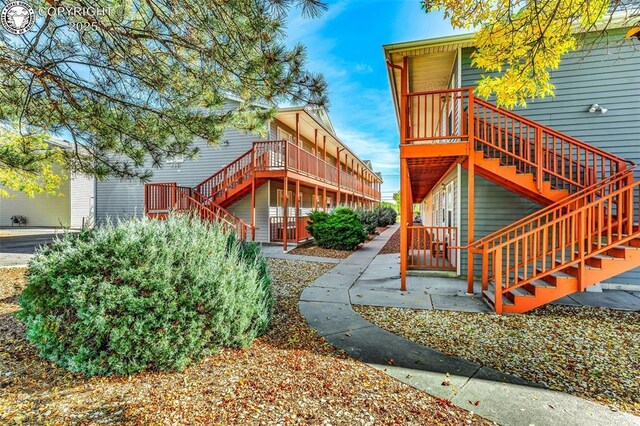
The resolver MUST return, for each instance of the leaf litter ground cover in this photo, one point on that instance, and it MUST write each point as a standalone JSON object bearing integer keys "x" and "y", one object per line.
{"x": 290, "y": 375}
{"x": 589, "y": 352}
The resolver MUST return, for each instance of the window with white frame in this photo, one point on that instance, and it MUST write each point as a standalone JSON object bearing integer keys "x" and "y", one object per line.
{"x": 282, "y": 134}
{"x": 174, "y": 159}
{"x": 452, "y": 201}
{"x": 280, "y": 202}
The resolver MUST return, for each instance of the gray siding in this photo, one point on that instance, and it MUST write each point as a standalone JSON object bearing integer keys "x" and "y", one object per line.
{"x": 495, "y": 208}
{"x": 82, "y": 196}
{"x": 608, "y": 76}
{"x": 242, "y": 210}
{"x": 125, "y": 198}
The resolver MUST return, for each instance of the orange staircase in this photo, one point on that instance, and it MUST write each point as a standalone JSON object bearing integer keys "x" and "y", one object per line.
{"x": 207, "y": 199}
{"x": 586, "y": 233}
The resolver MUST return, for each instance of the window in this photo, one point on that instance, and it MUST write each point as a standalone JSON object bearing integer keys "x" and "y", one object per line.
{"x": 280, "y": 202}
{"x": 452, "y": 201}
{"x": 175, "y": 159}
{"x": 282, "y": 134}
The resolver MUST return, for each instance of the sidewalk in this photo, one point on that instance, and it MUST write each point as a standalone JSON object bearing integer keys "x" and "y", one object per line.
{"x": 505, "y": 399}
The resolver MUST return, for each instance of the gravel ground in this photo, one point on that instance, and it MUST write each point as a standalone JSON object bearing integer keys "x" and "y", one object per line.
{"x": 288, "y": 376}
{"x": 314, "y": 250}
{"x": 589, "y": 352}
{"x": 393, "y": 245}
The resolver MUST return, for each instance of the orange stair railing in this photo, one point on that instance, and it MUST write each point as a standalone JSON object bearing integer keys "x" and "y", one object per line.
{"x": 561, "y": 237}
{"x": 598, "y": 214}
{"x": 163, "y": 198}
{"x": 217, "y": 186}
{"x": 207, "y": 197}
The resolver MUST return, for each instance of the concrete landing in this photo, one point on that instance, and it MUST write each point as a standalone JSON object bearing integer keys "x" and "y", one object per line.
{"x": 379, "y": 285}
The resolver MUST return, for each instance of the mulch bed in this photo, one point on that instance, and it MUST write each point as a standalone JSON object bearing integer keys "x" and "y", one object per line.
{"x": 288, "y": 376}
{"x": 311, "y": 249}
{"x": 314, "y": 250}
{"x": 393, "y": 245}
{"x": 589, "y": 352}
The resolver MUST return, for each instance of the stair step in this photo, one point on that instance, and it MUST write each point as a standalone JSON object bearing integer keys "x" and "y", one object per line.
{"x": 491, "y": 296}
{"x": 571, "y": 266}
{"x": 521, "y": 291}
{"x": 540, "y": 283}
{"x": 558, "y": 274}
{"x": 622, "y": 247}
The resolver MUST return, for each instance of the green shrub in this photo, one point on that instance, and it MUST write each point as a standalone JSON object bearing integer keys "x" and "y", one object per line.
{"x": 144, "y": 295}
{"x": 386, "y": 215}
{"x": 369, "y": 220}
{"x": 380, "y": 216}
{"x": 341, "y": 229}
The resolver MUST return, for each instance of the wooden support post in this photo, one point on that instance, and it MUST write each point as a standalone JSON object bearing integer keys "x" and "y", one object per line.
{"x": 338, "y": 165}
{"x": 470, "y": 213}
{"x": 285, "y": 218}
{"x": 253, "y": 194}
{"x": 324, "y": 200}
{"x": 297, "y": 211}
{"x": 315, "y": 143}
{"x": 253, "y": 209}
{"x": 298, "y": 141}
{"x": 315, "y": 198}
{"x": 324, "y": 147}
{"x": 404, "y": 174}
{"x": 470, "y": 191}
{"x": 539, "y": 162}
{"x": 404, "y": 222}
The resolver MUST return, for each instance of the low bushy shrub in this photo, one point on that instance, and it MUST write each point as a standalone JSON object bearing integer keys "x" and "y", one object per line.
{"x": 340, "y": 229}
{"x": 369, "y": 220}
{"x": 386, "y": 215}
{"x": 381, "y": 216}
{"x": 144, "y": 295}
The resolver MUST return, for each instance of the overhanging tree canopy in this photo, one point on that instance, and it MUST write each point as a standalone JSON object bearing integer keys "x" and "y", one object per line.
{"x": 523, "y": 40}
{"x": 145, "y": 80}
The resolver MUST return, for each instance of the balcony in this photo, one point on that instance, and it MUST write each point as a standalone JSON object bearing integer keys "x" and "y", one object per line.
{"x": 281, "y": 156}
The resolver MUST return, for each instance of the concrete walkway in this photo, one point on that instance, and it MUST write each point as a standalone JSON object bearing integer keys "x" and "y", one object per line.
{"x": 505, "y": 399}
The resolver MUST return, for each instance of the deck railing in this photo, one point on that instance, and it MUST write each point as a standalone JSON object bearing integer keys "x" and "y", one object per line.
{"x": 436, "y": 117}
{"x": 433, "y": 247}
{"x": 278, "y": 155}
{"x": 164, "y": 198}
{"x": 296, "y": 228}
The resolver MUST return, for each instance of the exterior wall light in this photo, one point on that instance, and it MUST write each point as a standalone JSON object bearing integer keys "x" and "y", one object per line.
{"x": 596, "y": 107}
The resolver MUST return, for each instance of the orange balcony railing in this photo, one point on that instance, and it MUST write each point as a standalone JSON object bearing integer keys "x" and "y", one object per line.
{"x": 281, "y": 155}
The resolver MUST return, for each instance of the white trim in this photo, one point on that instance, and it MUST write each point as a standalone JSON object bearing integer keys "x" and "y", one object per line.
{"x": 269, "y": 210}
{"x": 460, "y": 68}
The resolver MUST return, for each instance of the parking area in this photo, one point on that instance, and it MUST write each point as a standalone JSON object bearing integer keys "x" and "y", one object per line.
{"x": 17, "y": 245}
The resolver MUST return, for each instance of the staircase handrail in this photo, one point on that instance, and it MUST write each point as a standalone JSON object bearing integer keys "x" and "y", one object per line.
{"x": 580, "y": 257}
{"x": 222, "y": 171}
{"x": 476, "y": 245}
{"x": 551, "y": 131}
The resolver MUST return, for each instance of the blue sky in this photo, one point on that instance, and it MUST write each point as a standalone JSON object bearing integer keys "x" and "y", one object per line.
{"x": 345, "y": 44}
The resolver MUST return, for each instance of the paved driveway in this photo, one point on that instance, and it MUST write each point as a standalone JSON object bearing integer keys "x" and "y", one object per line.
{"x": 18, "y": 246}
